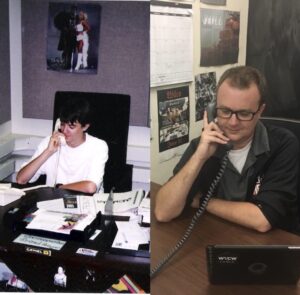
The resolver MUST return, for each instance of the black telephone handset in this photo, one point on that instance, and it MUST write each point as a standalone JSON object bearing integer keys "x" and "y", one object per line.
{"x": 211, "y": 115}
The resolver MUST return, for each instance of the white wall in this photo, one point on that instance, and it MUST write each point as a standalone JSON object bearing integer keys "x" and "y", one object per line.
{"x": 162, "y": 165}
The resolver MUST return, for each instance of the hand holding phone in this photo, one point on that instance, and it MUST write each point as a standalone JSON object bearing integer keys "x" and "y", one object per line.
{"x": 62, "y": 140}
{"x": 211, "y": 115}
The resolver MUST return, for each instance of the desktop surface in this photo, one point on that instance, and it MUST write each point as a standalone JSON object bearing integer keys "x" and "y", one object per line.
{"x": 187, "y": 273}
{"x": 85, "y": 273}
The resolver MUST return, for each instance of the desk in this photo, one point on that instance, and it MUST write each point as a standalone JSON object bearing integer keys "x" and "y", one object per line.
{"x": 38, "y": 270}
{"x": 186, "y": 273}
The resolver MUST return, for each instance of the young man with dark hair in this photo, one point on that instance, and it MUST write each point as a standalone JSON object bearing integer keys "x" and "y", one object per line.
{"x": 70, "y": 157}
{"x": 259, "y": 187}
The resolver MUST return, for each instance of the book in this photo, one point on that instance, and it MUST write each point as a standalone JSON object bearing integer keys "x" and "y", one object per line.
{"x": 125, "y": 285}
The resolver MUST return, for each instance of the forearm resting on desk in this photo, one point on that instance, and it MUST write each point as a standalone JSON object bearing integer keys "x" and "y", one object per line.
{"x": 243, "y": 213}
{"x": 82, "y": 186}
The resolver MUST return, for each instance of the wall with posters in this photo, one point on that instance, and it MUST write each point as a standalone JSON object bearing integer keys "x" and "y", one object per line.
{"x": 162, "y": 160}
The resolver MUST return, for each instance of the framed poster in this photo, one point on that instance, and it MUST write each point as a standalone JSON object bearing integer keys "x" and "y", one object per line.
{"x": 73, "y": 37}
{"x": 220, "y": 30}
{"x": 173, "y": 112}
{"x": 205, "y": 92}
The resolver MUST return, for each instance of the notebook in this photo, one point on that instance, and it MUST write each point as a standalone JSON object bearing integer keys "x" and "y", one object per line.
{"x": 253, "y": 264}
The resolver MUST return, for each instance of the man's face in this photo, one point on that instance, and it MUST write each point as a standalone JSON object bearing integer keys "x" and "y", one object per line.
{"x": 234, "y": 99}
{"x": 74, "y": 133}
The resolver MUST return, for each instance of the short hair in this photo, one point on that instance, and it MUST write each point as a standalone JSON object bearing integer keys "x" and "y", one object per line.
{"x": 76, "y": 109}
{"x": 242, "y": 77}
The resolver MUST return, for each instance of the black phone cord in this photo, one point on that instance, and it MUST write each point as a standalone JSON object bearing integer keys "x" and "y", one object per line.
{"x": 203, "y": 203}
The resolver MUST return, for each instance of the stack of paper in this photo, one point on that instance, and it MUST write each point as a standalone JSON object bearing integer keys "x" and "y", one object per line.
{"x": 57, "y": 221}
{"x": 124, "y": 204}
{"x": 130, "y": 235}
{"x": 8, "y": 194}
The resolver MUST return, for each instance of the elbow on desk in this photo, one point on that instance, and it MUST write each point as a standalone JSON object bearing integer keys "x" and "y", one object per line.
{"x": 20, "y": 180}
{"x": 263, "y": 227}
{"x": 161, "y": 216}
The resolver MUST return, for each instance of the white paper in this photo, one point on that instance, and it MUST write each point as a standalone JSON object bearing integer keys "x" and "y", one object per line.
{"x": 171, "y": 45}
{"x": 9, "y": 195}
{"x": 59, "y": 222}
{"x": 130, "y": 235}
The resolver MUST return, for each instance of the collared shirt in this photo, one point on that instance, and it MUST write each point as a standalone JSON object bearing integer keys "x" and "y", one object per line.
{"x": 270, "y": 175}
{"x": 233, "y": 185}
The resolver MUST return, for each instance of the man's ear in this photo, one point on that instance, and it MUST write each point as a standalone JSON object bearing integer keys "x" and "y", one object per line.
{"x": 261, "y": 109}
{"x": 85, "y": 127}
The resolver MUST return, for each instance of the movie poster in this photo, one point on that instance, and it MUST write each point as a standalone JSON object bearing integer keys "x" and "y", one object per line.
{"x": 73, "y": 37}
{"x": 205, "y": 92}
{"x": 220, "y": 32}
{"x": 173, "y": 112}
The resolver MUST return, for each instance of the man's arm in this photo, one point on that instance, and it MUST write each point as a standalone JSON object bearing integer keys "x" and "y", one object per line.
{"x": 85, "y": 186}
{"x": 28, "y": 171}
{"x": 171, "y": 198}
{"x": 243, "y": 213}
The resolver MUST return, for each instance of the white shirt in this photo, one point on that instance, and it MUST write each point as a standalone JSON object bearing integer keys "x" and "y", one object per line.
{"x": 238, "y": 157}
{"x": 85, "y": 162}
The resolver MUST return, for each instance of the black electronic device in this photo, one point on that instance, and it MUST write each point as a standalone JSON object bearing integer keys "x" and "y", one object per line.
{"x": 253, "y": 264}
{"x": 211, "y": 111}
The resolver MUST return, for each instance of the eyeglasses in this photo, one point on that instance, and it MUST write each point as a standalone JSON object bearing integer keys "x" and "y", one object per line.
{"x": 241, "y": 115}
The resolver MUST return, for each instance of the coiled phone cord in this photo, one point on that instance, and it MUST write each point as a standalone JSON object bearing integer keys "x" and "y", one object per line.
{"x": 199, "y": 212}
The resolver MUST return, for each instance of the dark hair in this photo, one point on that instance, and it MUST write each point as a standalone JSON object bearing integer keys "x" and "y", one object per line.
{"x": 76, "y": 109}
{"x": 242, "y": 77}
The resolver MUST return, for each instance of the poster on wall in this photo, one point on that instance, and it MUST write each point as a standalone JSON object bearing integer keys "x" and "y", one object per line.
{"x": 173, "y": 117}
{"x": 205, "y": 92}
{"x": 73, "y": 37}
{"x": 220, "y": 30}
{"x": 214, "y": 2}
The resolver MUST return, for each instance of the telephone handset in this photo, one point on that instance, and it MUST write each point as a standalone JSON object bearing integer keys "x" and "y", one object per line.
{"x": 62, "y": 139}
{"x": 211, "y": 115}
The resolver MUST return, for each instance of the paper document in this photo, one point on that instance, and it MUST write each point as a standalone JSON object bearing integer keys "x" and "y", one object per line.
{"x": 130, "y": 235}
{"x": 123, "y": 204}
{"x": 9, "y": 195}
{"x": 57, "y": 221}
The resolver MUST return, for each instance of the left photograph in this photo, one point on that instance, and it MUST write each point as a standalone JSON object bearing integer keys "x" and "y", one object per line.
{"x": 75, "y": 146}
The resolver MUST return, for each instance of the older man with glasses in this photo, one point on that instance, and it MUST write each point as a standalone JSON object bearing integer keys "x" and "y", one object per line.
{"x": 259, "y": 186}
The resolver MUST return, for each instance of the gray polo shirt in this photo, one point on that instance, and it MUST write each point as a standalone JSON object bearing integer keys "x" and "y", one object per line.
{"x": 233, "y": 185}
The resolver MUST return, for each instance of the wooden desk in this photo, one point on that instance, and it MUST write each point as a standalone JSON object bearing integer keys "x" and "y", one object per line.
{"x": 186, "y": 273}
{"x": 38, "y": 270}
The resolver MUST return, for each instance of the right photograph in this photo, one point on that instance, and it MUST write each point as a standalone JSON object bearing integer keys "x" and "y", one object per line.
{"x": 225, "y": 132}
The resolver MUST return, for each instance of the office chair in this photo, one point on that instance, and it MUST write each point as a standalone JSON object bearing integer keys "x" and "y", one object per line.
{"x": 294, "y": 127}
{"x": 110, "y": 122}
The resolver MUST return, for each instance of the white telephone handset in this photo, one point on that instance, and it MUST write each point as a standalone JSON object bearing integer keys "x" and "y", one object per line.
{"x": 62, "y": 139}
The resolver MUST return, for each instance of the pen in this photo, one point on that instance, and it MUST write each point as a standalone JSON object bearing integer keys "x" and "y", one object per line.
{"x": 125, "y": 239}
{"x": 135, "y": 197}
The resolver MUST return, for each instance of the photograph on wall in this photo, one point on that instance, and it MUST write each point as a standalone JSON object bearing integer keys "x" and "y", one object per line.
{"x": 173, "y": 112}
{"x": 220, "y": 30}
{"x": 73, "y": 37}
{"x": 205, "y": 92}
{"x": 214, "y": 2}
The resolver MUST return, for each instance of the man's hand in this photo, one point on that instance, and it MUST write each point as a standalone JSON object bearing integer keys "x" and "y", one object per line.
{"x": 54, "y": 142}
{"x": 211, "y": 136}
